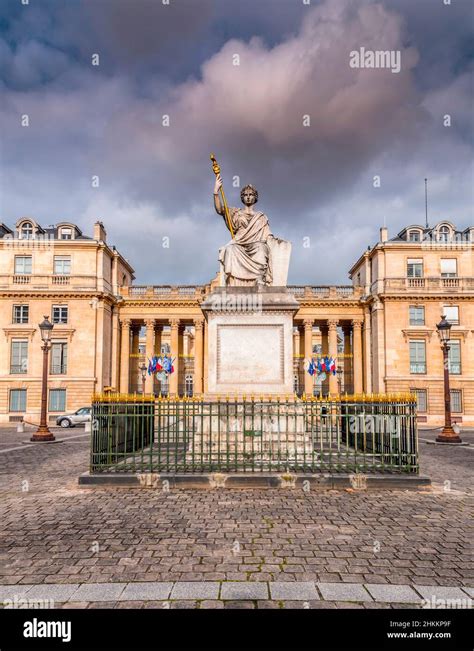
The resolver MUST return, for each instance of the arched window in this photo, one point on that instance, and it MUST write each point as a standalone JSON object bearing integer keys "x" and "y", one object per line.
{"x": 26, "y": 231}
{"x": 444, "y": 233}
{"x": 189, "y": 385}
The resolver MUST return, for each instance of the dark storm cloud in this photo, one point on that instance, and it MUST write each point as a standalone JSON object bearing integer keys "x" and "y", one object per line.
{"x": 156, "y": 181}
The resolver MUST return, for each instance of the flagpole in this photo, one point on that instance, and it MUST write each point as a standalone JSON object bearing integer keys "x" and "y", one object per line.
{"x": 217, "y": 170}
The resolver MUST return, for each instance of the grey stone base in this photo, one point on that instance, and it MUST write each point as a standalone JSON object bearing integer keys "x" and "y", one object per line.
{"x": 443, "y": 443}
{"x": 257, "y": 480}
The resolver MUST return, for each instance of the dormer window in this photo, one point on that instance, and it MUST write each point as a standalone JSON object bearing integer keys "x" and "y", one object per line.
{"x": 65, "y": 233}
{"x": 26, "y": 231}
{"x": 444, "y": 234}
{"x": 414, "y": 236}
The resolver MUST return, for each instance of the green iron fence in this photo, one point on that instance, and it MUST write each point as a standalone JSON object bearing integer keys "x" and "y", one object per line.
{"x": 367, "y": 434}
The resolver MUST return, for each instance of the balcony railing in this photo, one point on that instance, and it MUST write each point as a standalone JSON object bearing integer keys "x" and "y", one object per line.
{"x": 16, "y": 369}
{"x": 418, "y": 368}
{"x": 58, "y": 369}
{"x": 61, "y": 280}
{"x": 39, "y": 281}
{"x": 429, "y": 284}
{"x": 325, "y": 291}
{"x": 165, "y": 291}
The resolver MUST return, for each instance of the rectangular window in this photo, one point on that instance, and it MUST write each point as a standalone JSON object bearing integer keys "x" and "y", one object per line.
{"x": 62, "y": 265}
{"x": 66, "y": 234}
{"x": 449, "y": 268}
{"x": 417, "y": 315}
{"x": 415, "y": 268}
{"x": 19, "y": 356}
{"x": 451, "y": 312}
{"x": 60, "y": 313}
{"x": 58, "y": 358}
{"x": 454, "y": 357}
{"x": 17, "y": 400}
{"x": 421, "y": 399}
{"x": 23, "y": 264}
{"x": 414, "y": 236}
{"x": 456, "y": 401}
{"x": 20, "y": 313}
{"x": 57, "y": 400}
{"x": 417, "y": 357}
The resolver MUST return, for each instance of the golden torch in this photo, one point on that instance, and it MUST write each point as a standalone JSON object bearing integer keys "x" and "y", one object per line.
{"x": 217, "y": 170}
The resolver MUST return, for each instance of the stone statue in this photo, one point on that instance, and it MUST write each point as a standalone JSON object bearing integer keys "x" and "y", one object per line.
{"x": 247, "y": 259}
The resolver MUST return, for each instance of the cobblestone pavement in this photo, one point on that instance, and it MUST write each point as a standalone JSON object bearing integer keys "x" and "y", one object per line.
{"x": 54, "y": 532}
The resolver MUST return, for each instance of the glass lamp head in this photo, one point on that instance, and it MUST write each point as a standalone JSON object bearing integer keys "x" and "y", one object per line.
{"x": 46, "y": 328}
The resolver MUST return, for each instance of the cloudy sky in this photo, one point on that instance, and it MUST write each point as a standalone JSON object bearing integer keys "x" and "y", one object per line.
{"x": 179, "y": 59}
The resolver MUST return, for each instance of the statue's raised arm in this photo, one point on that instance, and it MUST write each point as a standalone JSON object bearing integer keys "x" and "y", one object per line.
{"x": 247, "y": 259}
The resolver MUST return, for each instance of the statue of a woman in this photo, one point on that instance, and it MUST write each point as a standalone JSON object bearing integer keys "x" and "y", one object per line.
{"x": 246, "y": 259}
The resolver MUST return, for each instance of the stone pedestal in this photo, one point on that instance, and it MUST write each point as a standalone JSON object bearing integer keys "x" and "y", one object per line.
{"x": 250, "y": 344}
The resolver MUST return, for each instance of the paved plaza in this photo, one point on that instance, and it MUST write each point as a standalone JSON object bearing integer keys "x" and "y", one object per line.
{"x": 224, "y": 548}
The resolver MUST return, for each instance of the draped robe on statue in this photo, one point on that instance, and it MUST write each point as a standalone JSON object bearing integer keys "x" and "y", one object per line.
{"x": 246, "y": 259}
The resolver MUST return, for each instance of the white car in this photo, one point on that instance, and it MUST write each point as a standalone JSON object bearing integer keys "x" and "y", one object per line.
{"x": 80, "y": 416}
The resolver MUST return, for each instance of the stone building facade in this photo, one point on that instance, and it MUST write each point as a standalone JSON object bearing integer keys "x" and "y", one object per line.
{"x": 381, "y": 329}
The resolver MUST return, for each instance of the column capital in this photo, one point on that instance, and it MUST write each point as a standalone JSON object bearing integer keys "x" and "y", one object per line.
{"x": 332, "y": 324}
{"x": 125, "y": 323}
{"x": 150, "y": 323}
{"x": 308, "y": 324}
{"x": 174, "y": 323}
{"x": 199, "y": 323}
{"x": 357, "y": 324}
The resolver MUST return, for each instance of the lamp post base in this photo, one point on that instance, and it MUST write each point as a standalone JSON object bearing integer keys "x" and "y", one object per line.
{"x": 42, "y": 435}
{"x": 448, "y": 435}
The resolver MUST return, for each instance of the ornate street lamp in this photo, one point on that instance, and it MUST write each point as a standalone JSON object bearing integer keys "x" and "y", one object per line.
{"x": 43, "y": 434}
{"x": 448, "y": 435}
{"x": 143, "y": 372}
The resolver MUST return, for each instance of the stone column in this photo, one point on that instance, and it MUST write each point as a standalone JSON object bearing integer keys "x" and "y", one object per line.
{"x": 357, "y": 354}
{"x": 115, "y": 349}
{"x": 206, "y": 351}
{"x": 158, "y": 331}
{"x": 198, "y": 354}
{"x": 174, "y": 345}
{"x": 346, "y": 385}
{"x": 381, "y": 355}
{"x": 125, "y": 356}
{"x": 332, "y": 344}
{"x": 149, "y": 352}
{"x": 308, "y": 353}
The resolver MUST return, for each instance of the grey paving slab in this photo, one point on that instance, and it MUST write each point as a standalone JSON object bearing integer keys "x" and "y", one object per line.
{"x": 57, "y": 592}
{"x": 344, "y": 592}
{"x": 12, "y": 591}
{"x": 469, "y": 591}
{"x": 98, "y": 592}
{"x": 244, "y": 590}
{"x": 401, "y": 594}
{"x": 146, "y": 591}
{"x": 294, "y": 590}
{"x": 430, "y": 592}
{"x": 195, "y": 590}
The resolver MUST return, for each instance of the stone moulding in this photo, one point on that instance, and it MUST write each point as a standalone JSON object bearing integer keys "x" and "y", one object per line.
{"x": 286, "y": 481}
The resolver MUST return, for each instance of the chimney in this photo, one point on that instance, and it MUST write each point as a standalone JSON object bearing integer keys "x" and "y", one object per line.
{"x": 100, "y": 232}
{"x": 383, "y": 234}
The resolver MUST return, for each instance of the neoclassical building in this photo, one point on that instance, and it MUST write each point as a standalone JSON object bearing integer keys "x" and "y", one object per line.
{"x": 381, "y": 328}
